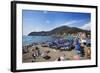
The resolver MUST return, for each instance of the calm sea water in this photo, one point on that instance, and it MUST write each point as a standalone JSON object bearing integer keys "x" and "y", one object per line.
{"x": 30, "y": 39}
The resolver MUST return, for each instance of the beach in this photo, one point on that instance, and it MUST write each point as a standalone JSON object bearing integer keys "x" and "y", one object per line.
{"x": 53, "y": 36}
{"x": 72, "y": 47}
{"x": 53, "y": 53}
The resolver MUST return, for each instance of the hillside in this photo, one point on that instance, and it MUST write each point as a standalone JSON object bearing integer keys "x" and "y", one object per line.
{"x": 59, "y": 31}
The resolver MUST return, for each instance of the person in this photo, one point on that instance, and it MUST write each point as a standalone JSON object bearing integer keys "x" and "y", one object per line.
{"x": 83, "y": 41}
{"x": 62, "y": 58}
{"x": 76, "y": 57}
{"x": 88, "y": 42}
{"x": 33, "y": 60}
{"x": 82, "y": 51}
{"x": 37, "y": 51}
{"x": 78, "y": 48}
{"x": 59, "y": 59}
{"x": 89, "y": 53}
{"x": 33, "y": 54}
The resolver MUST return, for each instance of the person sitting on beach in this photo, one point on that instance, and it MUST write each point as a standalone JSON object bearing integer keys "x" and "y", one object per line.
{"x": 45, "y": 55}
{"x": 76, "y": 57}
{"x": 61, "y": 58}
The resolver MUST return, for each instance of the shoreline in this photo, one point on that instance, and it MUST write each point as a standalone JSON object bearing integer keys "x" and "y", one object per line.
{"x": 63, "y": 49}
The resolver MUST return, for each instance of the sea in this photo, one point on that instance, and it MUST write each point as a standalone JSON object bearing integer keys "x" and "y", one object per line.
{"x": 26, "y": 40}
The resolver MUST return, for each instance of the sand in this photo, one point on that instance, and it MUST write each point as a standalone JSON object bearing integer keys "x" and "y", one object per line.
{"x": 54, "y": 54}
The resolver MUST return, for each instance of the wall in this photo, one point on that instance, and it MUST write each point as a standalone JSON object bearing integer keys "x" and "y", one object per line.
{"x": 5, "y": 36}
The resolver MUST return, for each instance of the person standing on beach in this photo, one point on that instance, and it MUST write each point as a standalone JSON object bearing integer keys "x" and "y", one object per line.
{"x": 38, "y": 53}
{"x": 33, "y": 54}
{"x": 88, "y": 53}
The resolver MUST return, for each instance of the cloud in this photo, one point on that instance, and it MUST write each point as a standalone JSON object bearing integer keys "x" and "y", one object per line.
{"x": 72, "y": 23}
{"x": 86, "y": 26}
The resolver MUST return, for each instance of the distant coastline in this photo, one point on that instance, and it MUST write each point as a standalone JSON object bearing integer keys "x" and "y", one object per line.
{"x": 59, "y": 31}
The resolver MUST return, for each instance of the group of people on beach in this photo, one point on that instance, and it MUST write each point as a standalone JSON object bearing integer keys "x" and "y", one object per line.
{"x": 35, "y": 52}
{"x": 77, "y": 44}
{"x": 26, "y": 47}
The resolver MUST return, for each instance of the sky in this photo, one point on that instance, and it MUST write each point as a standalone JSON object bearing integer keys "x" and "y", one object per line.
{"x": 35, "y": 21}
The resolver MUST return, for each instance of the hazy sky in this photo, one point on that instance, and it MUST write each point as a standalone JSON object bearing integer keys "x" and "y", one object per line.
{"x": 47, "y": 20}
